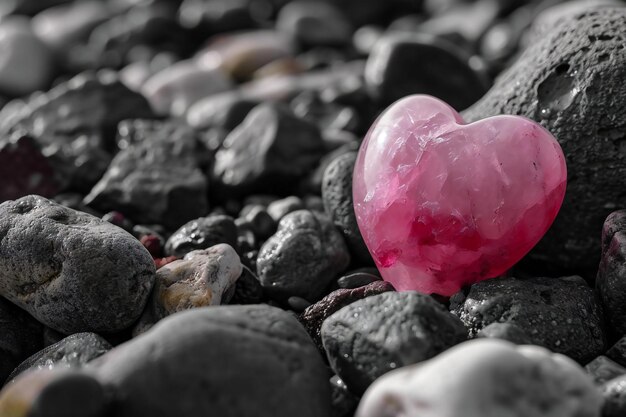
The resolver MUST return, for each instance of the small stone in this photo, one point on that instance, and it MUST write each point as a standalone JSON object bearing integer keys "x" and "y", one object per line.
{"x": 559, "y": 81}
{"x": 485, "y": 378}
{"x": 396, "y": 69}
{"x": 377, "y": 334}
{"x": 617, "y": 352}
{"x": 248, "y": 289}
{"x": 303, "y": 257}
{"x": 202, "y": 233}
{"x": 339, "y": 203}
{"x": 270, "y": 150}
{"x": 560, "y": 314}
{"x": 313, "y": 317}
{"x": 73, "y": 351}
{"x": 603, "y": 369}
{"x": 20, "y": 336}
{"x": 176, "y": 88}
{"x": 200, "y": 279}
{"x": 298, "y": 304}
{"x": 359, "y": 278}
{"x": 75, "y": 124}
{"x": 261, "y": 222}
{"x": 614, "y": 394}
{"x": 257, "y": 350}
{"x": 611, "y": 278}
{"x": 505, "y": 331}
{"x": 280, "y": 208}
{"x": 52, "y": 393}
{"x": 24, "y": 169}
{"x": 442, "y": 204}
{"x": 72, "y": 271}
{"x": 314, "y": 23}
{"x": 217, "y": 16}
{"x": 156, "y": 177}
{"x": 27, "y": 63}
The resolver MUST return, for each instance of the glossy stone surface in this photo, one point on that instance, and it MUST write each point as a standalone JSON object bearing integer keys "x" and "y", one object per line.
{"x": 442, "y": 204}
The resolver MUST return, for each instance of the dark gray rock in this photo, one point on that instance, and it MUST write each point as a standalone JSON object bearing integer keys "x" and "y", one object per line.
{"x": 617, "y": 352}
{"x": 375, "y": 335}
{"x": 603, "y": 369}
{"x": 72, "y": 351}
{"x": 270, "y": 151}
{"x": 505, "y": 331}
{"x": 560, "y": 314}
{"x": 313, "y": 317}
{"x": 572, "y": 82}
{"x": 261, "y": 223}
{"x": 20, "y": 336}
{"x": 614, "y": 394}
{"x": 74, "y": 124}
{"x": 403, "y": 64}
{"x": 339, "y": 204}
{"x": 226, "y": 112}
{"x": 202, "y": 233}
{"x": 359, "y": 278}
{"x": 187, "y": 366}
{"x": 156, "y": 177}
{"x": 303, "y": 257}
{"x": 314, "y": 23}
{"x": 611, "y": 278}
{"x": 343, "y": 401}
{"x": 72, "y": 271}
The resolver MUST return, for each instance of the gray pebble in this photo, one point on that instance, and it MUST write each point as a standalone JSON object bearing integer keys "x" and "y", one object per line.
{"x": 377, "y": 334}
{"x": 202, "y": 233}
{"x": 505, "y": 331}
{"x": 229, "y": 361}
{"x": 280, "y": 208}
{"x": 303, "y": 257}
{"x": 614, "y": 394}
{"x": 72, "y": 271}
{"x": 603, "y": 369}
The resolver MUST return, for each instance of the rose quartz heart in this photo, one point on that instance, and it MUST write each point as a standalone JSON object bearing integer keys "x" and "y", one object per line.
{"x": 442, "y": 204}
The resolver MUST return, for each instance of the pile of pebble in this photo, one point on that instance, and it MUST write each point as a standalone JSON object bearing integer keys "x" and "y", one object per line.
{"x": 177, "y": 234}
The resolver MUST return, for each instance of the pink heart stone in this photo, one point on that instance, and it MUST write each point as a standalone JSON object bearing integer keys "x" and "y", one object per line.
{"x": 442, "y": 204}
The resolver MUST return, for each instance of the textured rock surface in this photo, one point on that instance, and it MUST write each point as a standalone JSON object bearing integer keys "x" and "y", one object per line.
{"x": 611, "y": 278}
{"x": 572, "y": 82}
{"x": 20, "y": 336}
{"x": 302, "y": 257}
{"x": 270, "y": 150}
{"x": 156, "y": 178}
{"x": 617, "y": 352}
{"x": 187, "y": 366}
{"x": 373, "y": 336}
{"x": 70, "y": 270}
{"x": 202, "y": 233}
{"x": 560, "y": 314}
{"x": 614, "y": 394}
{"x": 314, "y": 315}
{"x": 200, "y": 279}
{"x": 72, "y": 351}
{"x": 485, "y": 378}
{"x": 77, "y": 139}
{"x": 339, "y": 204}
{"x": 505, "y": 331}
{"x": 24, "y": 169}
{"x": 395, "y": 69}
{"x": 441, "y": 204}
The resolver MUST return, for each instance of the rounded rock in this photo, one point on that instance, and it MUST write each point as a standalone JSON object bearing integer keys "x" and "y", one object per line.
{"x": 485, "y": 378}
{"x": 303, "y": 257}
{"x": 72, "y": 271}
{"x": 375, "y": 335}
{"x": 614, "y": 394}
{"x": 202, "y": 233}
{"x": 167, "y": 371}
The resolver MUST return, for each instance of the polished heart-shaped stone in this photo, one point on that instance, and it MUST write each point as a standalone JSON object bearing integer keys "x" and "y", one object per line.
{"x": 442, "y": 204}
